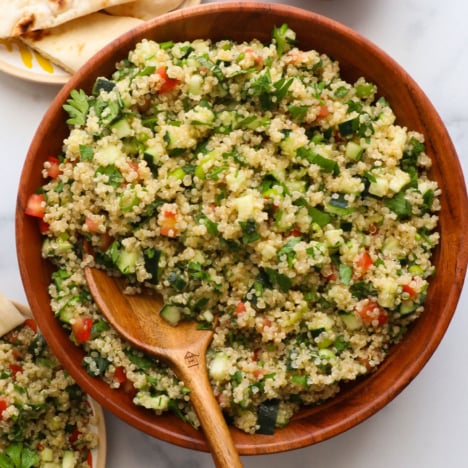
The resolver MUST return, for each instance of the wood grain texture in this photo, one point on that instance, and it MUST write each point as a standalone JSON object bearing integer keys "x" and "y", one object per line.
{"x": 357, "y": 56}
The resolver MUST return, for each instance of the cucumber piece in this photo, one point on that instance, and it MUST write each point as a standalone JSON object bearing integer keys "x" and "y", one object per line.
{"x": 69, "y": 459}
{"x": 219, "y": 367}
{"x": 351, "y": 321}
{"x": 172, "y": 314}
{"x": 407, "y": 307}
{"x": 127, "y": 260}
{"x": 122, "y": 128}
{"x": 267, "y": 416}
{"x": 103, "y": 84}
{"x": 353, "y": 151}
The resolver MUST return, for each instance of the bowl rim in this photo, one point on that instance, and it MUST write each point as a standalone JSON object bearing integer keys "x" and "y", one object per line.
{"x": 310, "y": 426}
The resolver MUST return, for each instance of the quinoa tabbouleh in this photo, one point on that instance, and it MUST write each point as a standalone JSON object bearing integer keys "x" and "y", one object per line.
{"x": 263, "y": 196}
{"x": 45, "y": 418}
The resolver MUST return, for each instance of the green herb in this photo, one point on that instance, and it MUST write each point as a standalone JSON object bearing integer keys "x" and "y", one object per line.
{"x": 114, "y": 176}
{"x": 327, "y": 165}
{"x": 288, "y": 250}
{"x": 17, "y": 455}
{"x": 399, "y": 205}
{"x": 345, "y": 272}
{"x": 77, "y": 107}
{"x": 283, "y": 38}
{"x": 279, "y": 280}
{"x": 249, "y": 231}
{"x": 86, "y": 153}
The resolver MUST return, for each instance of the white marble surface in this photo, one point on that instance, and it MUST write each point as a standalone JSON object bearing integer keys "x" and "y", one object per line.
{"x": 425, "y": 426}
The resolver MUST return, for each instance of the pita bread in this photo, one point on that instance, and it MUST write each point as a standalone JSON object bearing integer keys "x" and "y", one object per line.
{"x": 70, "y": 45}
{"x": 20, "y": 16}
{"x": 145, "y": 9}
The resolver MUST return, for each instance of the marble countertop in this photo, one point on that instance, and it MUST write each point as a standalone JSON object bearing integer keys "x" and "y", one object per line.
{"x": 427, "y": 424}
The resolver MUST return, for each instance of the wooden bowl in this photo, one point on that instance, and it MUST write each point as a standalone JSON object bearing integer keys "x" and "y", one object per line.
{"x": 357, "y": 56}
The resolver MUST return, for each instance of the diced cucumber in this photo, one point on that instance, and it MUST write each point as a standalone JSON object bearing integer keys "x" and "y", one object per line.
{"x": 102, "y": 84}
{"x": 267, "y": 416}
{"x": 351, "y": 321}
{"x": 177, "y": 174}
{"x": 195, "y": 85}
{"x": 107, "y": 155}
{"x": 353, "y": 151}
{"x": 47, "y": 454}
{"x": 172, "y": 314}
{"x": 407, "y": 307}
{"x": 379, "y": 187}
{"x": 219, "y": 367}
{"x": 122, "y": 128}
{"x": 158, "y": 402}
{"x": 69, "y": 459}
{"x": 398, "y": 180}
{"x": 127, "y": 260}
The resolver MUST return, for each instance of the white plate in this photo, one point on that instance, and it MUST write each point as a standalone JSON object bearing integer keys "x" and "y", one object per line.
{"x": 99, "y": 453}
{"x": 17, "y": 59}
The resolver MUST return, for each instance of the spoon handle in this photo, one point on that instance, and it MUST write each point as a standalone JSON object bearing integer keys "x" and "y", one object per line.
{"x": 191, "y": 368}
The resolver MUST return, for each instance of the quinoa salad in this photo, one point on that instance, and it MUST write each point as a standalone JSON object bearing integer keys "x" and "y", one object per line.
{"x": 45, "y": 418}
{"x": 264, "y": 197}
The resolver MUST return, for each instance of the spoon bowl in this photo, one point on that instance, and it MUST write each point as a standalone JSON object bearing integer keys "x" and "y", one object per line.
{"x": 182, "y": 347}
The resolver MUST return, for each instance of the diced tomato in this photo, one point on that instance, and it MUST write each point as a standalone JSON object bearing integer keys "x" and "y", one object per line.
{"x": 3, "y": 407}
{"x": 129, "y": 388}
{"x": 295, "y": 232}
{"x": 372, "y": 314}
{"x": 409, "y": 290}
{"x": 168, "y": 84}
{"x": 15, "y": 369}
{"x": 92, "y": 225}
{"x": 240, "y": 308}
{"x": 35, "y": 206}
{"x": 73, "y": 437}
{"x": 119, "y": 374}
{"x": 259, "y": 373}
{"x": 81, "y": 327}
{"x": 89, "y": 459}
{"x": 168, "y": 224}
{"x": 53, "y": 167}
{"x": 363, "y": 262}
{"x": 31, "y": 323}
{"x": 43, "y": 226}
{"x": 323, "y": 111}
{"x": 257, "y": 58}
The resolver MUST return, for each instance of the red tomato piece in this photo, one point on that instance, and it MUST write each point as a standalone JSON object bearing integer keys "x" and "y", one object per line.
{"x": 89, "y": 459}
{"x": 15, "y": 369}
{"x": 53, "y": 167}
{"x": 168, "y": 84}
{"x": 409, "y": 290}
{"x": 240, "y": 308}
{"x": 92, "y": 225}
{"x": 363, "y": 262}
{"x": 31, "y": 323}
{"x": 81, "y": 327}
{"x": 43, "y": 226}
{"x": 168, "y": 224}
{"x": 3, "y": 407}
{"x": 372, "y": 314}
{"x": 119, "y": 374}
{"x": 323, "y": 112}
{"x": 35, "y": 206}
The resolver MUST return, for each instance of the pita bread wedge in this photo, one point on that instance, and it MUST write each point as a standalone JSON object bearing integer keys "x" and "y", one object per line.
{"x": 70, "y": 45}
{"x": 145, "y": 9}
{"x": 20, "y": 16}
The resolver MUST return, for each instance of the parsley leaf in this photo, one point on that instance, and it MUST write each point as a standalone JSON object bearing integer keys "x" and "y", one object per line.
{"x": 77, "y": 107}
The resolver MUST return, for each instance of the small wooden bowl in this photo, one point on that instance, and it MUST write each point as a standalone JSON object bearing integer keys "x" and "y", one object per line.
{"x": 358, "y": 57}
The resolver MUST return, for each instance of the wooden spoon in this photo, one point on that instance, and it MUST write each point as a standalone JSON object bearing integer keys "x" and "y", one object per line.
{"x": 183, "y": 347}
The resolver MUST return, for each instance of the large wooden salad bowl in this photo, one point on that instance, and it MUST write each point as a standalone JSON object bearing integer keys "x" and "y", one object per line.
{"x": 358, "y": 57}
